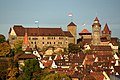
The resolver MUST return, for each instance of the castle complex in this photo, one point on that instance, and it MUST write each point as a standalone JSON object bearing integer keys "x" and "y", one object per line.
{"x": 99, "y": 55}
{"x": 42, "y": 37}
{"x": 98, "y": 37}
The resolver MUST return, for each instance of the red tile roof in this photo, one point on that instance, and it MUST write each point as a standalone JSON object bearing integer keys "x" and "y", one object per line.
{"x": 67, "y": 33}
{"x": 106, "y": 29}
{"x": 71, "y": 24}
{"x": 97, "y": 75}
{"x": 114, "y": 41}
{"x": 28, "y": 49}
{"x": 100, "y": 48}
{"x": 27, "y": 56}
{"x": 20, "y": 31}
{"x": 47, "y": 63}
{"x": 85, "y": 31}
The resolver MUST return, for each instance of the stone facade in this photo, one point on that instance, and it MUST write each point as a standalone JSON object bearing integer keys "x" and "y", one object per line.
{"x": 42, "y": 37}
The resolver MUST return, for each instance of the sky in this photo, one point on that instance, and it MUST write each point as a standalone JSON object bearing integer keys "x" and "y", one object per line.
{"x": 54, "y": 13}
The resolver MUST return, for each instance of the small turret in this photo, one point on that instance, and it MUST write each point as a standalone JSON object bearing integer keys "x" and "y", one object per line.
{"x": 25, "y": 42}
{"x": 106, "y": 32}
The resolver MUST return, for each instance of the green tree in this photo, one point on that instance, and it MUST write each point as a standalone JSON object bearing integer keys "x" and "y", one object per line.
{"x": 31, "y": 66}
{"x": 57, "y": 76}
{"x": 18, "y": 46}
{"x": 2, "y": 38}
{"x": 4, "y": 49}
{"x": 74, "y": 48}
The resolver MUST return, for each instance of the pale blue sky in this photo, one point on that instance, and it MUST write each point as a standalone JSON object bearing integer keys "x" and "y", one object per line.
{"x": 54, "y": 13}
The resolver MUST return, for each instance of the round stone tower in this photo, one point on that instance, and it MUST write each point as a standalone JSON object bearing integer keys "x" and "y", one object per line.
{"x": 96, "y": 32}
{"x": 72, "y": 29}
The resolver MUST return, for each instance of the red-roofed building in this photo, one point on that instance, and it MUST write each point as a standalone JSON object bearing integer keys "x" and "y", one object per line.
{"x": 85, "y": 34}
{"x": 43, "y": 36}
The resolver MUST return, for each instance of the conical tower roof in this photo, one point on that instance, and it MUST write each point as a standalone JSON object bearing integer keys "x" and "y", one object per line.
{"x": 106, "y": 29}
{"x": 26, "y": 42}
{"x": 96, "y": 22}
{"x": 71, "y": 24}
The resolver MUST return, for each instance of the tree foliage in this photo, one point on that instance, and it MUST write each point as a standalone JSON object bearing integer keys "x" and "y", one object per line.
{"x": 56, "y": 76}
{"x": 31, "y": 66}
{"x": 2, "y": 38}
{"x": 74, "y": 48}
{"x": 18, "y": 46}
{"x": 4, "y": 49}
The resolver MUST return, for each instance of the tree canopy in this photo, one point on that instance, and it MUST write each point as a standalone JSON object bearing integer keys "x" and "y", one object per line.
{"x": 2, "y": 38}
{"x": 56, "y": 76}
{"x": 4, "y": 49}
{"x": 74, "y": 48}
{"x": 31, "y": 66}
{"x": 18, "y": 46}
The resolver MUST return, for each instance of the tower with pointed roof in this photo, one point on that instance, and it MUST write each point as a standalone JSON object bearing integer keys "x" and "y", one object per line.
{"x": 96, "y": 29}
{"x": 72, "y": 29}
{"x": 25, "y": 42}
{"x": 106, "y": 32}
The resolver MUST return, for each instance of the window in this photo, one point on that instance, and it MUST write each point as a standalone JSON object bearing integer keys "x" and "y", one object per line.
{"x": 60, "y": 37}
{"x": 34, "y": 38}
{"x": 43, "y": 38}
{"x": 42, "y": 42}
{"x": 54, "y": 42}
{"x": 59, "y": 42}
{"x": 50, "y": 42}
{"x": 35, "y": 42}
{"x": 29, "y": 38}
{"x": 47, "y": 42}
{"x": 31, "y": 42}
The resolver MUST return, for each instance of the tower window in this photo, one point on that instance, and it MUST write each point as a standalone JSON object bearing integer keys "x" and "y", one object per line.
{"x": 42, "y": 42}
{"x": 35, "y": 42}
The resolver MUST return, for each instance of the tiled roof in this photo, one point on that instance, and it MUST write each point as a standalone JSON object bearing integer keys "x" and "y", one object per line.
{"x": 28, "y": 49}
{"x": 106, "y": 29}
{"x": 20, "y": 31}
{"x": 97, "y": 75}
{"x": 114, "y": 41}
{"x": 27, "y": 56}
{"x": 47, "y": 63}
{"x": 71, "y": 24}
{"x": 67, "y": 33}
{"x": 103, "y": 39}
{"x": 88, "y": 60}
{"x": 117, "y": 69}
{"x": 85, "y": 31}
{"x": 100, "y": 48}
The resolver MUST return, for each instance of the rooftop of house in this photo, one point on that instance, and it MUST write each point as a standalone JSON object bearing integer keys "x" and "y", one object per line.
{"x": 27, "y": 56}
{"x": 100, "y": 48}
